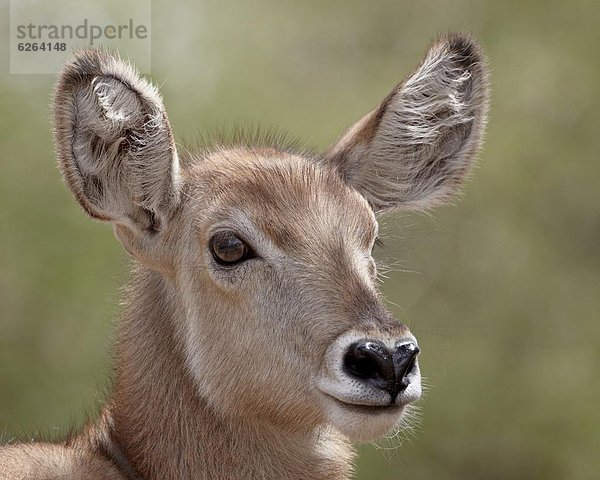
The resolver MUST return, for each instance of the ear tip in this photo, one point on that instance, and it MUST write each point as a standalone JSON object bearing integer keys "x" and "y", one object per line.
{"x": 465, "y": 49}
{"x": 90, "y": 62}
{"x": 87, "y": 61}
{"x": 461, "y": 42}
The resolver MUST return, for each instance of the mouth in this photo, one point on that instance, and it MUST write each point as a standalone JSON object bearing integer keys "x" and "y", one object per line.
{"x": 363, "y": 409}
{"x": 389, "y": 408}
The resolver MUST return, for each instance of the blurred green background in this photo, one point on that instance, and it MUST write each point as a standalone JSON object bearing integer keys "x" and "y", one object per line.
{"x": 503, "y": 291}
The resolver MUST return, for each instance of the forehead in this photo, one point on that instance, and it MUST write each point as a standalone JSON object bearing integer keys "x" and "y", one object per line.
{"x": 291, "y": 199}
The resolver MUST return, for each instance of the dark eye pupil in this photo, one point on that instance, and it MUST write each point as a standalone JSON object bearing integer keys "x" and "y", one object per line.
{"x": 227, "y": 248}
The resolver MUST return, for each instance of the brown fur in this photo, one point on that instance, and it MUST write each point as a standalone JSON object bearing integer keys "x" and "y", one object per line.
{"x": 234, "y": 372}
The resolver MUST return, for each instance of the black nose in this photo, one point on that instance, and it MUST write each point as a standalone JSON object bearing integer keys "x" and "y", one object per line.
{"x": 371, "y": 362}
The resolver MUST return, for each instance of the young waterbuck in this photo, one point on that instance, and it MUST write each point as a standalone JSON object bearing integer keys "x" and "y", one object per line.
{"x": 254, "y": 343}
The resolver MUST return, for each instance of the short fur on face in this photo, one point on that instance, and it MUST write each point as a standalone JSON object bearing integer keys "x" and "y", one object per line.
{"x": 261, "y": 341}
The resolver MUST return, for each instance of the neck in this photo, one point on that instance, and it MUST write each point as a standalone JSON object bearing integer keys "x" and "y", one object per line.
{"x": 158, "y": 426}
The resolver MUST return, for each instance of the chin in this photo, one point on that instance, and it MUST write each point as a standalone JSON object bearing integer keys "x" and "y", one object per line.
{"x": 361, "y": 423}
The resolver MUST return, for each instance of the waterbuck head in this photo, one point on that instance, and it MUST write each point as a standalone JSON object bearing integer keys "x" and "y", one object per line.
{"x": 266, "y": 253}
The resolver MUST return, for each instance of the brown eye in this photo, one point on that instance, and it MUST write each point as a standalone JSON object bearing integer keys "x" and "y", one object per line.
{"x": 228, "y": 249}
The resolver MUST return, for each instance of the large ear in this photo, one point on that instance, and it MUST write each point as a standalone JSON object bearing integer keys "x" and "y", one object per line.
{"x": 114, "y": 143}
{"x": 415, "y": 150}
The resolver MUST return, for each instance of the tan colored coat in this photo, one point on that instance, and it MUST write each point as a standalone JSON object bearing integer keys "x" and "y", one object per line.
{"x": 234, "y": 369}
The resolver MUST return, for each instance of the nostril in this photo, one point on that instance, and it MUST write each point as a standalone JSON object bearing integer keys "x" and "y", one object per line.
{"x": 370, "y": 361}
{"x": 405, "y": 358}
{"x": 362, "y": 367}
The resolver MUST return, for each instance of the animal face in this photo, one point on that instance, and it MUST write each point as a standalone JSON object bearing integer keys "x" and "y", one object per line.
{"x": 279, "y": 276}
{"x": 266, "y": 252}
